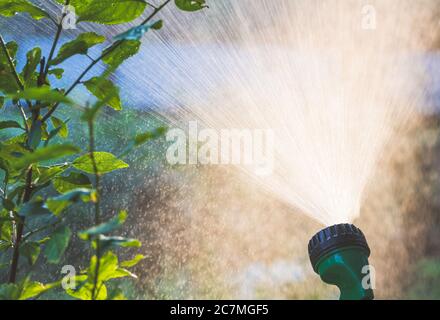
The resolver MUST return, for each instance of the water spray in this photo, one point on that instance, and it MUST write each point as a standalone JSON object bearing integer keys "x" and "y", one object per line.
{"x": 339, "y": 254}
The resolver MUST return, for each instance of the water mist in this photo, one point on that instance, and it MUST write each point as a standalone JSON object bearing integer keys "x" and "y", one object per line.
{"x": 332, "y": 79}
{"x": 330, "y": 85}
{"x": 331, "y": 90}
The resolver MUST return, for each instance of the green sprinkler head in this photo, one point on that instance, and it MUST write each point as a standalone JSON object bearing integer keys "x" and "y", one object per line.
{"x": 339, "y": 254}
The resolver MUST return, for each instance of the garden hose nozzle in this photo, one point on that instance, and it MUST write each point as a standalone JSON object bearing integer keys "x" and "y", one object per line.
{"x": 339, "y": 254}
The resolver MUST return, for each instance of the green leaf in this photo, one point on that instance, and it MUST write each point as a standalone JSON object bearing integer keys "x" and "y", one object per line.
{"x": 80, "y": 45}
{"x": 44, "y": 133}
{"x": 40, "y": 187}
{"x": 20, "y": 139}
{"x": 57, "y": 204}
{"x": 103, "y": 88}
{"x": 12, "y": 47}
{"x": 34, "y": 208}
{"x": 9, "y": 124}
{"x": 33, "y": 59}
{"x": 8, "y": 204}
{"x": 31, "y": 250}
{"x": 119, "y": 52}
{"x": 51, "y": 152}
{"x": 46, "y": 174}
{"x": 157, "y": 25}
{"x": 105, "y": 162}
{"x": 55, "y": 247}
{"x": 108, "y": 268}
{"x": 85, "y": 292}
{"x": 73, "y": 181}
{"x": 2, "y": 101}
{"x": 150, "y": 135}
{"x": 143, "y": 138}
{"x": 110, "y": 242}
{"x": 90, "y": 113}
{"x": 122, "y": 273}
{"x": 57, "y": 72}
{"x": 106, "y": 227}
{"x": 9, "y": 8}
{"x": 5, "y": 245}
{"x": 58, "y": 123}
{"x": 10, "y": 151}
{"x": 52, "y": 134}
{"x": 191, "y": 5}
{"x": 108, "y": 11}
{"x": 8, "y": 82}
{"x": 35, "y": 134}
{"x": 136, "y": 33}
{"x": 44, "y": 240}
{"x": 4, "y": 165}
{"x": 31, "y": 289}
{"x": 108, "y": 264}
{"x": 5, "y": 227}
{"x": 17, "y": 192}
{"x": 133, "y": 262}
{"x": 44, "y": 94}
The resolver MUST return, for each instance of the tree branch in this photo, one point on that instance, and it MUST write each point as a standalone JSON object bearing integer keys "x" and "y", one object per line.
{"x": 20, "y": 227}
{"x": 102, "y": 56}
{"x": 55, "y": 41}
{"x": 23, "y": 115}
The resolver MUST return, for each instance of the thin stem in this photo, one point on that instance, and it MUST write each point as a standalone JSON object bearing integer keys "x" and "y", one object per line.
{"x": 95, "y": 171}
{"x": 23, "y": 115}
{"x": 41, "y": 75}
{"x": 91, "y": 65}
{"x": 20, "y": 228}
{"x": 151, "y": 5}
{"x": 11, "y": 63}
{"x": 32, "y": 232}
{"x": 102, "y": 56}
{"x": 53, "y": 20}
{"x": 156, "y": 11}
{"x": 95, "y": 289}
{"x": 55, "y": 40}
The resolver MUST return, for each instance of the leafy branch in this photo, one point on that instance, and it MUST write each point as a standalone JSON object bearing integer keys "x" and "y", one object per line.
{"x": 102, "y": 56}
{"x": 30, "y": 159}
{"x": 11, "y": 63}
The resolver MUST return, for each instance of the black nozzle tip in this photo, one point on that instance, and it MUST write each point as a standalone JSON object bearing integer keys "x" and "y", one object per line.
{"x": 335, "y": 238}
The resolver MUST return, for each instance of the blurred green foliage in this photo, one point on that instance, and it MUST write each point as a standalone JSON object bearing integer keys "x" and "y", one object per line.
{"x": 44, "y": 175}
{"x": 426, "y": 280}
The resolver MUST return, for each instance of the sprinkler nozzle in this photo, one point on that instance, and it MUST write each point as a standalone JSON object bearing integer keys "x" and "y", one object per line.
{"x": 339, "y": 254}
